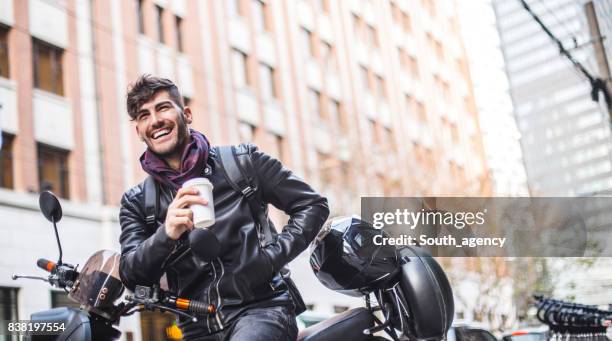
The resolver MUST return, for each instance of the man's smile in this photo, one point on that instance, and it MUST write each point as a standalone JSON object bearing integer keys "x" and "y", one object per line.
{"x": 160, "y": 133}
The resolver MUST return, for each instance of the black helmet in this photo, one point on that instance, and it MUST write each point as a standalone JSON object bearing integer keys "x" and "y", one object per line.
{"x": 345, "y": 259}
{"x": 428, "y": 293}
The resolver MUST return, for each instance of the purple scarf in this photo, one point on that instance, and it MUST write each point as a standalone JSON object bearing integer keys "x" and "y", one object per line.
{"x": 193, "y": 162}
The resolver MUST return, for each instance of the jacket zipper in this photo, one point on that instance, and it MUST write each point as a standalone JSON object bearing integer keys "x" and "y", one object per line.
{"x": 208, "y": 294}
{"x": 220, "y": 300}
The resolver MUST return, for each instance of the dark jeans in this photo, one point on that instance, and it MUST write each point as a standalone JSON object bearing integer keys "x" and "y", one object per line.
{"x": 260, "y": 324}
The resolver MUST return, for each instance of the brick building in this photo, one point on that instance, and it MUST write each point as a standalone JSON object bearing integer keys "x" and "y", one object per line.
{"x": 368, "y": 97}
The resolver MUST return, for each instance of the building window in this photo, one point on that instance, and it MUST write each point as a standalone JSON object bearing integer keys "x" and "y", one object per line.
{"x": 421, "y": 112}
{"x": 439, "y": 50}
{"x": 325, "y": 165}
{"x": 357, "y": 26}
{"x": 6, "y": 162}
{"x": 160, "y": 24}
{"x": 8, "y": 308}
{"x": 53, "y": 170}
{"x": 430, "y": 41}
{"x": 438, "y": 86}
{"x": 277, "y": 149}
{"x": 179, "y": 33}
{"x": 413, "y": 67}
{"x": 381, "y": 90}
{"x": 235, "y": 8}
{"x": 396, "y": 13}
{"x": 446, "y": 93}
{"x": 48, "y": 71}
{"x": 454, "y": 133}
{"x": 314, "y": 102}
{"x": 372, "y": 36}
{"x": 139, "y": 17}
{"x": 4, "y": 55}
{"x": 403, "y": 59}
{"x": 186, "y": 101}
{"x": 342, "y": 116}
{"x": 389, "y": 140}
{"x": 260, "y": 16}
{"x": 364, "y": 77}
{"x": 407, "y": 22}
{"x": 410, "y": 110}
{"x": 329, "y": 56}
{"x": 308, "y": 43}
{"x": 60, "y": 299}
{"x": 240, "y": 70}
{"x": 246, "y": 132}
{"x": 333, "y": 111}
{"x": 321, "y": 6}
{"x": 268, "y": 84}
{"x": 430, "y": 6}
{"x": 374, "y": 132}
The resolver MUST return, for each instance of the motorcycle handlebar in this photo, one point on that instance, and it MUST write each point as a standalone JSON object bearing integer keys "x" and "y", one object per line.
{"x": 46, "y": 265}
{"x": 154, "y": 296}
{"x": 196, "y": 307}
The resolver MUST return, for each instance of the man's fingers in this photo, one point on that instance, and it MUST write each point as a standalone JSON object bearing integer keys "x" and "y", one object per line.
{"x": 186, "y": 191}
{"x": 182, "y": 221}
{"x": 183, "y": 212}
{"x": 188, "y": 200}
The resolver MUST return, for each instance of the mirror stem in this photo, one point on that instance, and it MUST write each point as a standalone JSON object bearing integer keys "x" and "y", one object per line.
{"x": 59, "y": 245}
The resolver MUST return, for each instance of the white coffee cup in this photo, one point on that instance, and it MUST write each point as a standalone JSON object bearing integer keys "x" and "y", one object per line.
{"x": 203, "y": 216}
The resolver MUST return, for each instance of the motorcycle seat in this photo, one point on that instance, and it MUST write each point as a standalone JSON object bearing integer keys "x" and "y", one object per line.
{"x": 348, "y": 325}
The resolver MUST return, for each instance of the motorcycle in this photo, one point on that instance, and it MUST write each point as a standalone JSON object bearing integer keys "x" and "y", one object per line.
{"x": 97, "y": 287}
{"x": 410, "y": 288}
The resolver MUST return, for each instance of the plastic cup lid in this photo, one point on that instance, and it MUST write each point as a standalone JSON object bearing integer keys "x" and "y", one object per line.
{"x": 197, "y": 181}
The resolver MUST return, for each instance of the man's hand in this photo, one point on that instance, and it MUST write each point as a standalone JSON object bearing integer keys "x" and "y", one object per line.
{"x": 179, "y": 217}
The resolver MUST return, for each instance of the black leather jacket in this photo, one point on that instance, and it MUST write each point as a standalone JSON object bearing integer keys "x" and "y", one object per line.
{"x": 244, "y": 274}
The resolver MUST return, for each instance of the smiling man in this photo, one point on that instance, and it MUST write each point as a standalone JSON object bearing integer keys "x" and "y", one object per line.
{"x": 243, "y": 282}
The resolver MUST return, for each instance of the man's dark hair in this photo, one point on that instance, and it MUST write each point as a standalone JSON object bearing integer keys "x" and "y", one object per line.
{"x": 145, "y": 87}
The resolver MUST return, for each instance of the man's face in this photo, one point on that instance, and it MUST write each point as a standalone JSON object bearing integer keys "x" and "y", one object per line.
{"x": 162, "y": 126}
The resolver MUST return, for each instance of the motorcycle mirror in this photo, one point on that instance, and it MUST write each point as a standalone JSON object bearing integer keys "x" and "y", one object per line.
{"x": 50, "y": 206}
{"x": 204, "y": 244}
{"x": 52, "y": 210}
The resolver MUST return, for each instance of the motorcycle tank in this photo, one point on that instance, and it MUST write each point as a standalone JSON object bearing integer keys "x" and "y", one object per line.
{"x": 345, "y": 259}
{"x": 98, "y": 285}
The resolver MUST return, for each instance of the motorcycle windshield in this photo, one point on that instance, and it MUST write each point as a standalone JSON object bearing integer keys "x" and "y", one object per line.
{"x": 98, "y": 285}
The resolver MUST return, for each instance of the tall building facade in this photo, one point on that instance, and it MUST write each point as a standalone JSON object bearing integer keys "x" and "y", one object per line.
{"x": 565, "y": 136}
{"x": 596, "y": 277}
{"x": 368, "y": 97}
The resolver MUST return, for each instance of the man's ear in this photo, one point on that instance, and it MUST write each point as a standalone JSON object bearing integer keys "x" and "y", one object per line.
{"x": 188, "y": 115}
